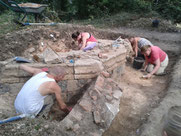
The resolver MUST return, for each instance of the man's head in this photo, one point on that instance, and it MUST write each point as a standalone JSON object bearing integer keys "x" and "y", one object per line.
{"x": 146, "y": 50}
{"x": 58, "y": 73}
{"x": 76, "y": 36}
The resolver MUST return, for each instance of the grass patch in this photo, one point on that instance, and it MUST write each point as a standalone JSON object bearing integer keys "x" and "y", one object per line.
{"x": 131, "y": 20}
{"x": 7, "y": 25}
{"x": 117, "y": 20}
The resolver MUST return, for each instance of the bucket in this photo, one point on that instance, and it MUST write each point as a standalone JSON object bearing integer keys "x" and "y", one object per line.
{"x": 138, "y": 62}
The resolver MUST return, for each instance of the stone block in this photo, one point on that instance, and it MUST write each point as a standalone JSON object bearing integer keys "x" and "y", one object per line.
{"x": 9, "y": 80}
{"x": 87, "y": 70}
{"x": 120, "y": 58}
{"x": 10, "y": 73}
{"x": 93, "y": 95}
{"x": 114, "y": 110}
{"x": 50, "y": 56}
{"x": 117, "y": 94}
{"x": 115, "y": 66}
{"x": 117, "y": 56}
{"x": 97, "y": 117}
{"x": 68, "y": 68}
{"x": 68, "y": 77}
{"x": 74, "y": 114}
{"x": 109, "y": 98}
{"x": 99, "y": 82}
{"x": 86, "y": 105}
{"x": 12, "y": 66}
{"x": 68, "y": 124}
{"x": 85, "y": 66}
{"x": 85, "y": 76}
{"x": 109, "y": 62}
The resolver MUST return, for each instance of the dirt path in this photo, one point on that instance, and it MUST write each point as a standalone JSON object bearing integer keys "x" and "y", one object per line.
{"x": 140, "y": 97}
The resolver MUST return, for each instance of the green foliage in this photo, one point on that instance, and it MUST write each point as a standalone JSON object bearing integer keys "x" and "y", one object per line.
{"x": 94, "y": 8}
{"x": 136, "y": 6}
{"x": 6, "y": 24}
{"x": 91, "y": 9}
{"x": 170, "y": 9}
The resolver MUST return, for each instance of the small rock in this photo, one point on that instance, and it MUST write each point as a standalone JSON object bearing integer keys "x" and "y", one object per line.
{"x": 31, "y": 50}
{"x": 108, "y": 97}
{"x": 76, "y": 127}
{"x": 76, "y": 115}
{"x": 95, "y": 134}
{"x": 117, "y": 94}
{"x": 102, "y": 56}
{"x": 68, "y": 124}
{"x": 99, "y": 82}
{"x": 86, "y": 105}
{"x": 94, "y": 98}
{"x": 97, "y": 117}
{"x": 46, "y": 126}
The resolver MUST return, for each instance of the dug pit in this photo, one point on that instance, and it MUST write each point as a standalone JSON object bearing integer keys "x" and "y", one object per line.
{"x": 89, "y": 85}
{"x": 96, "y": 98}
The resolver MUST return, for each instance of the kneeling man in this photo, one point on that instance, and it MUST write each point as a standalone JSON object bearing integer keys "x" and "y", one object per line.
{"x": 30, "y": 99}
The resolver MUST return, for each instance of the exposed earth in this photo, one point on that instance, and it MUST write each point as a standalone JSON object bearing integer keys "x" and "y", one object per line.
{"x": 139, "y": 98}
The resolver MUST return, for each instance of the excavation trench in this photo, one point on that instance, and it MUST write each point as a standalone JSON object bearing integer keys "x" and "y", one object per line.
{"x": 96, "y": 99}
{"x": 89, "y": 84}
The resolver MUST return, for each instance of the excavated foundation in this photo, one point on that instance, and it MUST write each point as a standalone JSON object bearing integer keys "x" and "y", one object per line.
{"x": 89, "y": 85}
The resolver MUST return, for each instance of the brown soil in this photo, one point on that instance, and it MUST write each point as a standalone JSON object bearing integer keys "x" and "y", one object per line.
{"x": 15, "y": 44}
{"x": 140, "y": 96}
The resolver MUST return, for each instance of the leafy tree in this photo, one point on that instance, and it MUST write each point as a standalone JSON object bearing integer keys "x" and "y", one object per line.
{"x": 170, "y": 9}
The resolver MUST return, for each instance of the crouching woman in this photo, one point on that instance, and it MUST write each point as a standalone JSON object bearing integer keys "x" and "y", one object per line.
{"x": 156, "y": 60}
{"x": 86, "y": 41}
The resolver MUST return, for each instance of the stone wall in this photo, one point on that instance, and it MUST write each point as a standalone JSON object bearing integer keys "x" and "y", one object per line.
{"x": 78, "y": 64}
{"x": 89, "y": 83}
{"x": 94, "y": 112}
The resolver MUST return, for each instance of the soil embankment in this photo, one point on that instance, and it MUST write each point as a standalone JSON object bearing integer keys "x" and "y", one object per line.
{"x": 140, "y": 97}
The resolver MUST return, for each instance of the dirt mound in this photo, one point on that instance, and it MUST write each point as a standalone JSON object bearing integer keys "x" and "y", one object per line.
{"x": 146, "y": 23}
{"x": 15, "y": 44}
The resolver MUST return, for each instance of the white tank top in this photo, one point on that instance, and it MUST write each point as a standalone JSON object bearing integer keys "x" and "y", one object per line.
{"x": 29, "y": 100}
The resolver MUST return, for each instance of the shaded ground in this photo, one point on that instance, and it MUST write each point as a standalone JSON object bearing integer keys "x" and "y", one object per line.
{"x": 140, "y": 97}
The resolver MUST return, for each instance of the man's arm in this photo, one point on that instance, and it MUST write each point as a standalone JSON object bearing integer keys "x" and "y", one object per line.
{"x": 30, "y": 70}
{"x": 57, "y": 91}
